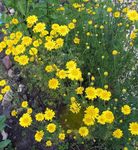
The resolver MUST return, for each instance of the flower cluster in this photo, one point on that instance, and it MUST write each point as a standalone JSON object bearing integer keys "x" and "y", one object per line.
{"x": 79, "y": 70}
{"x": 4, "y": 88}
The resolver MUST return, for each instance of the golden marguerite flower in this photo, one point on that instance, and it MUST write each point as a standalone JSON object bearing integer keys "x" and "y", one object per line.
{"x": 25, "y": 120}
{"x": 118, "y": 133}
{"x": 133, "y": 128}
{"x": 83, "y": 131}
{"x": 53, "y": 83}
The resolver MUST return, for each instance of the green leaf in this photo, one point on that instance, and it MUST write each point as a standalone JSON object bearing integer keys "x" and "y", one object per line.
{"x": 2, "y": 122}
{"x": 21, "y": 6}
{"x": 2, "y": 126}
{"x": 4, "y": 144}
{"x": 2, "y": 119}
{"x": 8, "y": 3}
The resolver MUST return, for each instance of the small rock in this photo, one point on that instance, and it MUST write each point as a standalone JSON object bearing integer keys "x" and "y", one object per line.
{"x": 20, "y": 89}
{"x": 12, "y": 11}
{"x": 4, "y": 135}
{"x": 7, "y": 99}
{"x": 6, "y": 62}
{"x": 10, "y": 73}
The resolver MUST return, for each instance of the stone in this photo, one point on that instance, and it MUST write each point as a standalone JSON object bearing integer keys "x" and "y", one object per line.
{"x": 7, "y": 62}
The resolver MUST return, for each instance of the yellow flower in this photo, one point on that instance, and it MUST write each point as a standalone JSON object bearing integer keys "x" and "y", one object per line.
{"x": 39, "y": 135}
{"x": 48, "y": 38}
{"x": 1, "y": 97}
{"x": 23, "y": 60}
{"x": 19, "y": 49}
{"x": 26, "y": 40}
{"x": 25, "y": 120}
{"x": 124, "y": 91}
{"x": 3, "y": 43}
{"x": 13, "y": 113}
{"x": 88, "y": 33}
{"x": 131, "y": 43}
{"x": 106, "y": 86}
{"x": 55, "y": 26}
{"x": 29, "y": 25}
{"x": 29, "y": 110}
{"x": 79, "y": 90}
{"x": 105, "y": 95}
{"x": 31, "y": 59}
{"x": 125, "y": 10}
{"x": 43, "y": 33}
{"x": 90, "y": 93}
{"x": 51, "y": 127}
{"x": 69, "y": 131}
{"x": 76, "y": 5}
{"x": 71, "y": 64}
{"x": 49, "y": 68}
{"x": 109, "y": 9}
{"x": 33, "y": 51}
{"x": 2, "y": 46}
{"x": 73, "y": 99}
{"x": 88, "y": 120}
{"x": 92, "y": 78}
{"x": 5, "y": 89}
{"x": 83, "y": 131}
{"x": 4, "y": 31}
{"x": 92, "y": 111}
{"x": 53, "y": 33}
{"x": 49, "y": 114}
{"x": 62, "y": 74}
{"x": 133, "y": 128}
{"x": 59, "y": 43}
{"x": 121, "y": 1}
{"x": 15, "y": 21}
{"x": 12, "y": 36}
{"x": 125, "y": 148}
{"x": 71, "y": 25}
{"x": 74, "y": 20}
{"x": 32, "y": 19}
{"x": 8, "y": 51}
{"x": 39, "y": 27}
{"x": 63, "y": 30}
{"x": 132, "y": 15}
{"x": 75, "y": 74}
{"x": 101, "y": 119}
{"x": 1, "y": 49}
{"x": 53, "y": 83}
{"x": 50, "y": 45}
{"x": 75, "y": 107}
{"x": 114, "y": 52}
{"x": 105, "y": 73}
{"x": 2, "y": 82}
{"x": 76, "y": 40}
{"x": 126, "y": 110}
{"x": 99, "y": 91}
{"x": 101, "y": 27}
{"x": 90, "y": 22}
{"x": 61, "y": 136}
{"x": 118, "y": 133}
{"x": 24, "y": 104}
{"x": 39, "y": 117}
{"x": 36, "y": 43}
{"x": 133, "y": 35}
{"x": 7, "y": 25}
{"x": 109, "y": 116}
{"x": 117, "y": 14}
{"x": 48, "y": 143}
{"x": 61, "y": 8}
